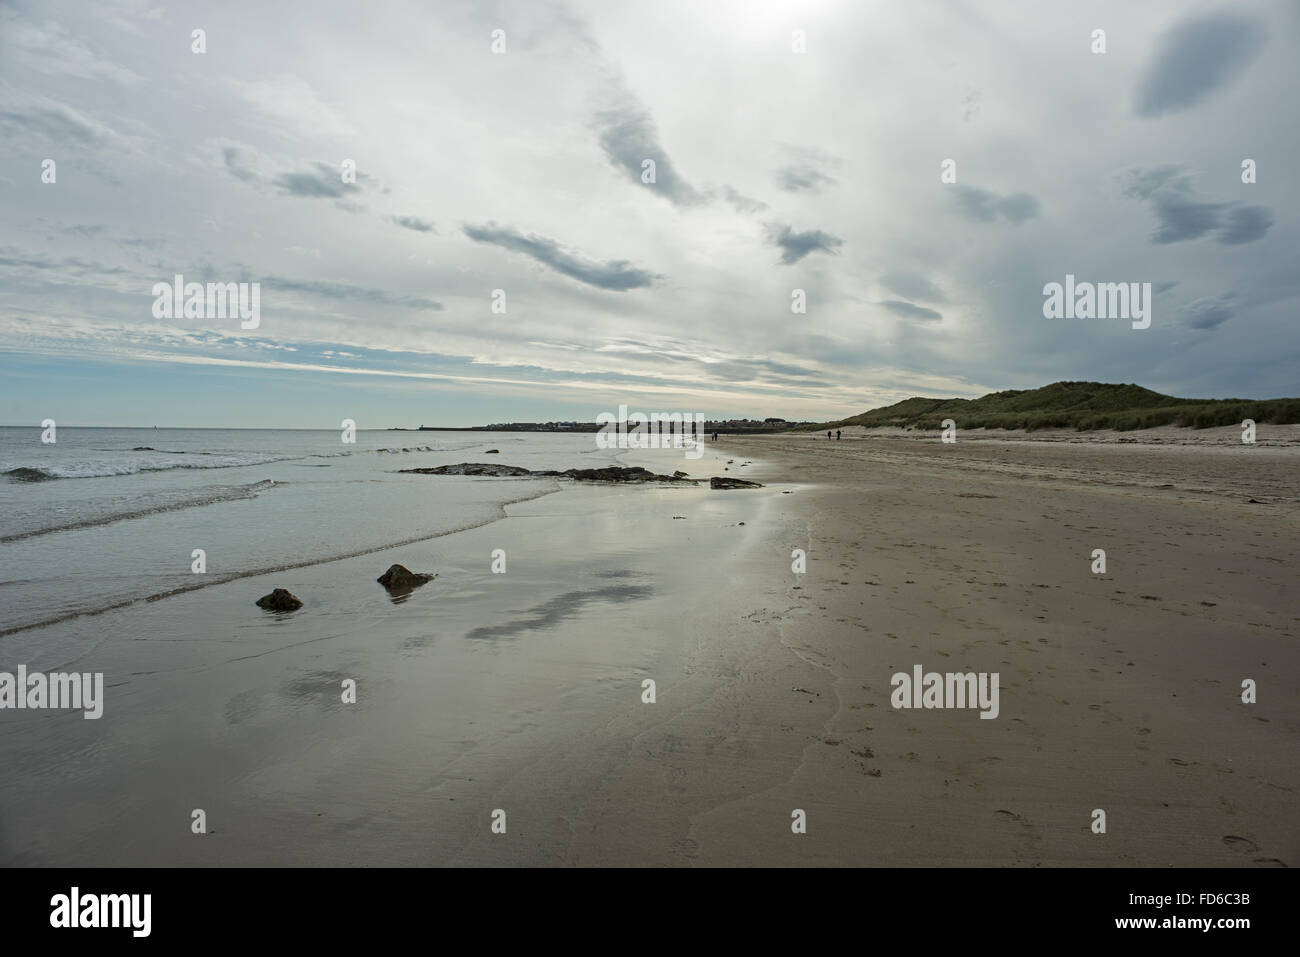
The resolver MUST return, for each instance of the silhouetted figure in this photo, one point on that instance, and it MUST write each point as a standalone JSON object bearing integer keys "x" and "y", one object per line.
{"x": 828, "y": 435}
{"x": 837, "y": 435}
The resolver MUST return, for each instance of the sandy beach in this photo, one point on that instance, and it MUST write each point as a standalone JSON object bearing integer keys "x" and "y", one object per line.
{"x": 524, "y": 692}
{"x": 1120, "y": 691}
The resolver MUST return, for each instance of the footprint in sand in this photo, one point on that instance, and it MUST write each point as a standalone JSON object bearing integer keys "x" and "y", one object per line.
{"x": 1240, "y": 843}
{"x": 686, "y": 847}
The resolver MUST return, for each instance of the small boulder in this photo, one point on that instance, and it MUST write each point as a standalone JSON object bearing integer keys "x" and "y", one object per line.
{"x": 492, "y": 452}
{"x": 280, "y": 600}
{"x": 399, "y": 576}
{"x": 719, "y": 482}
{"x": 680, "y": 474}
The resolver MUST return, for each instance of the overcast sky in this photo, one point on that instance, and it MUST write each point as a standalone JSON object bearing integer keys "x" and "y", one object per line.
{"x": 521, "y": 171}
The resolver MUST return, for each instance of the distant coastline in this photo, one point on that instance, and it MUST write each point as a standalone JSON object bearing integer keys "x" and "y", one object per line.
{"x": 730, "y": 426}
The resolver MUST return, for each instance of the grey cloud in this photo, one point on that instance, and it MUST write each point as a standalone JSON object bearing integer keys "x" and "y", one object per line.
{"x": 50, "y": 48}
{"x": 748, "y": 371}
{"x": 1182, "y": 215}
{"x": 1206, "y": 312}
{"x": 628, "y": 136}
{"x": 318, "y": 181}
{"x": 1141, "y": 182}
{"x": 338, "y": 290}
{"x": 237, "y": 163}
{"x": 617, "y": 275}
{"x": 741, "y": 202}
{"x": 987, "y": 206}
{"x": 322, "y": 181}
{"x": 910, "y": 310}
{"x": 1196, "y": 57}
{"x": 734, "y": 368}
{"x": 1245, "y": 224}
{"x": 55, "y": 122}
{"x": 795, "y": 246}
{"x": 729, "y": 368}
{"x": 912, "y": 286}
{"x": 82, "y": 268}
{"x": 415, "y": 223}
{"x": 802, "y": 177}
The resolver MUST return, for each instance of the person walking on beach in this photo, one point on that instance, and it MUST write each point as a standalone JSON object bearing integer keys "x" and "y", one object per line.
{"x": 828, "y": 434}
{"x": 837, "y": 435}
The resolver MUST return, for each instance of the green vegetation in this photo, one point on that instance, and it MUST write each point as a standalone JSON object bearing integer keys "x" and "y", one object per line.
{"x": 1078, "y": 405}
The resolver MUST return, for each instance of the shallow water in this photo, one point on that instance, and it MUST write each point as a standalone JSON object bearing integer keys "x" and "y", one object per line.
{"x": 111, "y": 516}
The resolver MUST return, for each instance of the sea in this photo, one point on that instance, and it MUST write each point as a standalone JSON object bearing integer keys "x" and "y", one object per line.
{"x": 105, "y": 517}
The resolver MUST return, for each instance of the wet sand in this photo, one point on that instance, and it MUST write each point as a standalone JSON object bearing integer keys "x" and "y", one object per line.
{"x": 520, "y": 691}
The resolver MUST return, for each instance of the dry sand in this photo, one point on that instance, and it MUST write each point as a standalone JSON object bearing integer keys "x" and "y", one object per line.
{"x": 1119, "y": 691}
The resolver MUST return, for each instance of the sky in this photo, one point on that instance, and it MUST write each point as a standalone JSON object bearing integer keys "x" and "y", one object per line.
{"x": 501, "y": 253}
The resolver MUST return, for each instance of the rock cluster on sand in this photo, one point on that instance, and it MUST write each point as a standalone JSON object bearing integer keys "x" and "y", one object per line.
{"x": 279, "y": 600}
{"x": 609, "y": 474}
{"x": 719, "y": 482}
{"x": 471, "y": 468}
{"x": 399, "y": 576}
{"x": 616, "y": 473}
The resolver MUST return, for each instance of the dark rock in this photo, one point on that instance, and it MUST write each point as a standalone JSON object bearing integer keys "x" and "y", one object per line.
{"x": 492, "y": 452}
{"x": 24, "y": 474}
{"x": 608, "y": 474}
{"x": 719, "y": 482}
{"x": 616, "y": 473}
{"x": 472, "y": 468}
{"x": 681, "y": 474}
{"x": 401, "y": 577}
{"x": 279, "y": 600}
